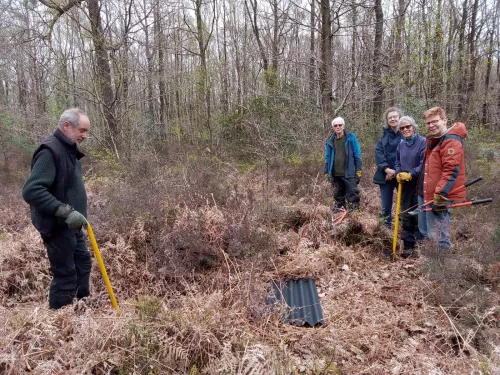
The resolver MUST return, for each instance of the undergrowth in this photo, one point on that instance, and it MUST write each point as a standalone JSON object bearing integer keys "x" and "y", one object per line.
{"x": 191, "y": 242}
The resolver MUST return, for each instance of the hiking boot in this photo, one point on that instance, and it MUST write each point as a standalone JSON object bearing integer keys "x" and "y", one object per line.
{"x": 388, "y": 255}
{"x": 336, "y": 210}
{"x": 443, "y": 254}
{"x": 353, "y": 206}
{"x": 83, "y": 304}
{"x": 410, "y": 253}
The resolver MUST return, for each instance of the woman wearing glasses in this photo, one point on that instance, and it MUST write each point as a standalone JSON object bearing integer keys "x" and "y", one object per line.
{"x": 385, "y": 157}
{"x": 409, "y": 159}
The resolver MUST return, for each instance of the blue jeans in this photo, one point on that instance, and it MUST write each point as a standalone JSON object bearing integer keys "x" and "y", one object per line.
{"x": 386, "y": 194}
{"x": 422, "y": 218}
{"x": 438, "y": 227}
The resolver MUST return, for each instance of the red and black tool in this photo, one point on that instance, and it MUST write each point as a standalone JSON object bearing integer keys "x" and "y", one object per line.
{"x": 413, "y": 210}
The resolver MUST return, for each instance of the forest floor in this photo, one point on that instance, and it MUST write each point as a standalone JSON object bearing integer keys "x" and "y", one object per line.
{"x": 191, "y": 263}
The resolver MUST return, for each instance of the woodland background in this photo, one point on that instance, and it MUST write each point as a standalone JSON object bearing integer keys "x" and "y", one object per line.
{"x": 256, "y": 76}
{"x": 204, "y": 178}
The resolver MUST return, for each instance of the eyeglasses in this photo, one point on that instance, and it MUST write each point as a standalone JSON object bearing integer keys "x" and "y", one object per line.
{"x": 393, "y": 117}
{"x": 337, "y": 125}
{"x": 407, "y": 127}
{"x": 433, "y": 122}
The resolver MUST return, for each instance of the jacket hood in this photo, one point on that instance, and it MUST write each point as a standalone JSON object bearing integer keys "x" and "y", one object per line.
{"x": 459, "y": 129}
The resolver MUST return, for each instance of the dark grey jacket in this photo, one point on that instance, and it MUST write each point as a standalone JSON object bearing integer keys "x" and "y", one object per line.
{"x": 55, "y": 178}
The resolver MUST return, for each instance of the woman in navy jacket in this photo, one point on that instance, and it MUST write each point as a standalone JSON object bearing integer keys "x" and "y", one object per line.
{"x": 409, "y": 159}
{"x": 385, "y": 158}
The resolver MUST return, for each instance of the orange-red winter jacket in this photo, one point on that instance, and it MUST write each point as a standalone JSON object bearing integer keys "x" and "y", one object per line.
{"x": 445, "y": 165}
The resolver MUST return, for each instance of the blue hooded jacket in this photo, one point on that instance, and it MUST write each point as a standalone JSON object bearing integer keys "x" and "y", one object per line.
{"x": 353, "y": 155}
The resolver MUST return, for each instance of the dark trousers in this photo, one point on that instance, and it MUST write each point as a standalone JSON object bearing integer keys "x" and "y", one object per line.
{"x": 345, "y": 188}
{"x": 70, "y": 265}
{"x": 409, "y": 223}
{"x": 386, "y": 196}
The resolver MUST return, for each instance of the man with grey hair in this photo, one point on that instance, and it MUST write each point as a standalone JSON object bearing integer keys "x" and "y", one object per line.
{"x": 58, "y": 200}
{"x": 343, "y": 164}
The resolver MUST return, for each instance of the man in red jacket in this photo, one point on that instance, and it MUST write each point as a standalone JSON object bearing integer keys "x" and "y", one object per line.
{"x": 443, "y": 172}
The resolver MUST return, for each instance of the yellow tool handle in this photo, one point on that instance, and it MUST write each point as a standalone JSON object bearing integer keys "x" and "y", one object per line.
{"x": 396, "y": 224}
{"x": 97, "y": 253}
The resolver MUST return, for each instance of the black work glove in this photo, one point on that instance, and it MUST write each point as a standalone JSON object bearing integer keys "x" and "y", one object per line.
{"x": 73, "y": 218}
{"x": 438, "y": 204}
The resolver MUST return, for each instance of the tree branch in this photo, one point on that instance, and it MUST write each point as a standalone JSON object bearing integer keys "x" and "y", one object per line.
{"x": 59, "y": 11}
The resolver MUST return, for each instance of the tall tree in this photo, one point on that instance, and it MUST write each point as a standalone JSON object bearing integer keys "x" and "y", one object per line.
{"x": 471, "y": 41}
{"x": 203, "y": 37}
{"x": 436, "y": 76}
{"x": 312, "y": 57}
{"x": 462, "y": 82}
{"x": 377, "y": 61}
{"x": 159, "y": 46}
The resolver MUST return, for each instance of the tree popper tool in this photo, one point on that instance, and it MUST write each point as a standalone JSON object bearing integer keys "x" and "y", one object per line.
{"x": 97, "y": 253}
{"x": 416, "y": 209}
{"x": 396, "y": 224}
{"x": 338, "y": 214}
{"x": 463, "y": 204}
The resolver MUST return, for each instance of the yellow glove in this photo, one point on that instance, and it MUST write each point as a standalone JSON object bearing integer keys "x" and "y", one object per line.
{"x": 438, "y": 204}
{"x": 403, "y": 177}
{"x": 439, "y": 200}
{"x": 358, "y": 176}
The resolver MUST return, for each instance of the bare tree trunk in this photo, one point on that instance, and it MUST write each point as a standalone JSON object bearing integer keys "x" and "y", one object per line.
{"x": 252, "y": 15}
{"x": 22, "y": 87}
{"x": 426, "y": 51}
{"x": 489, "y": 63}
{"x": 162, "y": 86}
{"x": 150, "y": 62}
{"x": 472, "y": 59}
{"x": 37, "y": 86}
{"x": 204, "y": 83}
{"x": 398, "y": 37}
{"x": 274, "y": 47}
{"x": 498, "y": 88}
{"x": 178, "y": 74}
{"x": 461, "y": 61}
{"x": 103, "y": 73}
{"x": 239, "y": 73}
{"x": 377, "y": 61}
{"x": 449, "y": 56}
{"x": 225, "y": 66}
{"x": 62, "y": 97}
{"x": 326, "y": 70}
{"x": 489, "y": 60}
{"x": 4, "y": 91}
{"x": 436, "y": 77}
{"x": 312, "y": 60}
{"x": 354, "y": 59}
